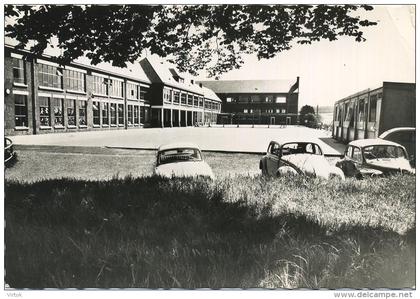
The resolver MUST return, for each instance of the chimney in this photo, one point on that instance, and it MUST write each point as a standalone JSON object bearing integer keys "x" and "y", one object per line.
{"x": 192, "y": 81}
{"x": 200, "y": 84}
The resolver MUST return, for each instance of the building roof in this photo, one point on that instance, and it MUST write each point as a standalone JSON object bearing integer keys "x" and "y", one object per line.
{"x": 209, "y": 94}
{"x": 165, "y": 72}
{"x": 375, "y": 141}
{"x": 249, "y": 86}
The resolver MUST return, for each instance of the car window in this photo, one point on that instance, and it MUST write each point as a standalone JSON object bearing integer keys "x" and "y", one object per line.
{"x": 349, "y": 151}
{"x": 312, "y": 148}
{"x": 275, "y": 149}
{"x": 301, "y": 148}
{"x": 383, "y": 152}
{"x": 357, "y": 154}
{"x": 179, "y": 154}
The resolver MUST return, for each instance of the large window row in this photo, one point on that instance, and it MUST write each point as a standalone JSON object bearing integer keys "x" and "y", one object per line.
{"x": 113, "y": 114}
{"x": 56, "y": 105}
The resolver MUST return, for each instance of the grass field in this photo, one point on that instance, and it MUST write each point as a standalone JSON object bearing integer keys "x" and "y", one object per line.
{"x": 240, "y": 232}
{"x": 37, "y": 163}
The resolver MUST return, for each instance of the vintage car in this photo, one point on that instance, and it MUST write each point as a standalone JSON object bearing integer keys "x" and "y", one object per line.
{"x": 297, "y": 157}
{"x": 372, "y": 157}
{"x": 181, "y": 160}
{"x": 406, "y": 136}
{"x": 9, "y": 152}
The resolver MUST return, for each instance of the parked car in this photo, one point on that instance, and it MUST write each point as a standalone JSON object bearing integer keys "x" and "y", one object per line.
{"x": 406, "y": 136}
{"x": 296, "y": 157}
{"x": 372, "y": 157}
{"x": 181, "y": 160}
{"x": 9, "y": 152}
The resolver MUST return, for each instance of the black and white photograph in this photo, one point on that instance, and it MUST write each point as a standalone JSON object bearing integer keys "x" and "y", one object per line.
{"x": 255, "y": 149}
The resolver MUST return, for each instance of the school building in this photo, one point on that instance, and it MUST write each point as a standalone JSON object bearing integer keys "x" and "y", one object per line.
{"x": 272, "y": 102}
{"x": 42, "y": 96}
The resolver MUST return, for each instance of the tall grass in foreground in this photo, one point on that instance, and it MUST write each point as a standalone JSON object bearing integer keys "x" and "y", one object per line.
{"x": 240, "y": 232}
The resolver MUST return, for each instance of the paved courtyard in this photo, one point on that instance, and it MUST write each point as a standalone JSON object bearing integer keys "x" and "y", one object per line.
{"x": 230, "y": 139}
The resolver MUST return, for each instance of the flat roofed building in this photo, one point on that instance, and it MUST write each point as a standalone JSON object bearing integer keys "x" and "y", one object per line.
{"x": 368, "y": 113}
{"x": 257, "y": 101}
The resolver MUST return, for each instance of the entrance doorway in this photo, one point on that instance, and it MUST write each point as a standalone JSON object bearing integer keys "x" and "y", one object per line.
{"x": 288, "y": 120}
{"x": 272, "y": 120}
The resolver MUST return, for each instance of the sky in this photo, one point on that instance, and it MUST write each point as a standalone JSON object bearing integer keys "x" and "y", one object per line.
{"x": 330, "y": 71}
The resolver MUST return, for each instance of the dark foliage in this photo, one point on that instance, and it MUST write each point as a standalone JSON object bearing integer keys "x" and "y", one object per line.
{"x": 194, "y": 36}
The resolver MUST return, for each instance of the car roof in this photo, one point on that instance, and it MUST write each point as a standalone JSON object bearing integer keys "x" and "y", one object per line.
{"x": 293, "y": 140}
{"x": 399, "y": 129}
{"x": 178, "y": 145}
{"x": 372, "y": 141}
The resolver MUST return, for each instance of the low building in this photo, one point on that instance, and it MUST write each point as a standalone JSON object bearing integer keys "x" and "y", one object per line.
{"x": 368, "y": 113}
{"x": 42, "y": 96}
{"x": 257, "y": 101}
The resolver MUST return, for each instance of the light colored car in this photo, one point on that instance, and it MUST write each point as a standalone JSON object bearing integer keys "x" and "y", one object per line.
{"x": 181, "y": 160}
{"x": 372, "y": 157}
{"x": 406, "y": 136}
{"x": 297, "y": 157}
{"x": 9, "y": 152}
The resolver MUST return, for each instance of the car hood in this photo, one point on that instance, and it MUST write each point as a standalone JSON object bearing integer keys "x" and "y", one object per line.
{"x": 184, "y": 169}
{"x": 390, "y": 164}
{"x": 314, "y": 164}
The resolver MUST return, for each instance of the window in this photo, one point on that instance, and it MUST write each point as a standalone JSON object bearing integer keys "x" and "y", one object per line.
{"x": 372, "y": 109}
{"x": 143, "y": 92}
{"x": 190, "y": 99}
{"x": 245, "y": 110}
{"x": 283, "y": 111}
{"x": 136, "y": 115}
{"x": 166, "y": 95}
{"x": 58, "y": 112}
{"x": 71, "y": 112}
{"x": 229, "y": 100}
{"x": 21, "y": 110}
{"x": 244, "y": 99}
{"x": 100, "y": 85}
{"x": 49, "y": 76}
{"x": 120, "y": 114}
{"x": 74, "y": 80}
{"x": 113, "y": 114}
{"x": 251, "y": 111}
{"x": 349, "y": 151}
{"x": 130, "y": 115}
{"x": 18, "y": 71}
{"x": 96, "y": 113}
{"x": 195, "y": 101}
{"x": 105, "y": 109}
{"x": 357, "y": 154}
{"x": 361, "y": 111}
{"x": 132, "y": 91}
{"x": 44, "y": 111}
{"x": 277, "y": 110}
{"x": 183, "y": 98}
{"x": 176, "y": 97}
{"x": 200, "y": 102}
{"x": 280, "y": 99}
{"x": 116, "y": 88}
{"x": 82, "y": 113}
{"x": 275, "y": 149}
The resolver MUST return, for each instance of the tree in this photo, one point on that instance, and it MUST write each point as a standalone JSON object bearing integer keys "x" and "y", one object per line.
{"x": 309, "y": 120}
{"x": 194, "y": 37}
{"x": 306, "y": 110}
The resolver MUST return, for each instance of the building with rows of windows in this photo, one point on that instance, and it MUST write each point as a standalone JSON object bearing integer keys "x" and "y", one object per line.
{"x": 257, "y": 101}
{"x": 44, "y": 97}
{"x": 369, "y": 113}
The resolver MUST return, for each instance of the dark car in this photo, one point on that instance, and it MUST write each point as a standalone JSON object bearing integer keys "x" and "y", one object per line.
{"x": 373, "y": 157}
{"x": 9, "y": 153}
{"x": 297, "y": 157}
{"x": 406, "y": 136}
